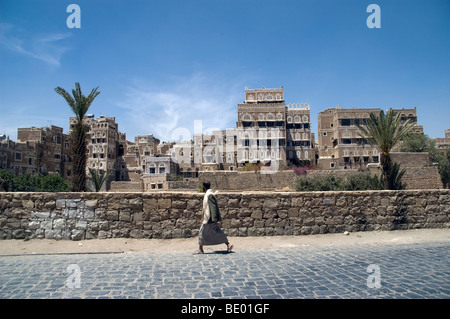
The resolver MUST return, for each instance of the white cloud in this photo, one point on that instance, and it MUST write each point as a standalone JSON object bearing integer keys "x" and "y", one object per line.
{"x": 47, "y": 48}
{"x": 170, "y": 111}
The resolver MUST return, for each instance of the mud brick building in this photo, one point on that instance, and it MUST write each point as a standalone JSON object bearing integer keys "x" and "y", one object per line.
{"x": 340, "y": 145}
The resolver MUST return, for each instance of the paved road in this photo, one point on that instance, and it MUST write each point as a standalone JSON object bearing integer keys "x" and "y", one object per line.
{"x": 363, "y": 271}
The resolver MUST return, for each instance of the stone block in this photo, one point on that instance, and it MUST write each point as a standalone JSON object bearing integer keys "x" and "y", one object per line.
{"x": 89, "y": 214}
{"x": 137, "y": 233}
{"x": 34, "y": 224}
{"x": 297, "y": 201}
{"x": 193, "y": 204}
{"x": 71, "y": 213}
{"x": 53, "y": 234}
{"x": 242, "y": 231}
{"x": 125, "y": 216}
{"x": 28, "y": 204}
{"x": 164, "y": 203}
{"x": 103, "y": 225}
{"x": 59, "y": 223}
{"x": 271, "y": 203}
{"x": 187, "y": 233}
{"x": 150, "y": 204}
{"x": 135, "y": 204}
{"x": 255, "y": 203}
{"x": 233, "y": 202}
{"x": 50, "y": 204}
{"x": 178, "y": 204}
{"x": 235, "y": 223}
{"x": 60, "y": 203}
{"x": 81, "y": 225}
{"x": 77, "y": 234}
{"x": 91, "y": 203}
{"x": 46, "y": 224}
{"x": 112, "y": 215}
{"x": 18, "y": 234}
{"x": 40, "y": 215}
{"x": 177, "y": 233}
{"x": 257, "y": 214}
{"x": 90, "y": 235}
{"x": 103, "y": 234}
{"x": 293, "y": 212}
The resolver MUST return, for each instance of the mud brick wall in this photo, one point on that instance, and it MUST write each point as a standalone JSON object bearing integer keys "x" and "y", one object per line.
{"x": 77, "y": 216}
{"x": 415, "y": 178}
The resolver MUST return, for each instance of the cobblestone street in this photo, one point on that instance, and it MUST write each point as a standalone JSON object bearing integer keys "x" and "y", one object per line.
{"x": 365, "y": 271}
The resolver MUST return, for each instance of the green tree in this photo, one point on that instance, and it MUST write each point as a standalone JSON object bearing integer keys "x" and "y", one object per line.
{"x": 395, "y": 177}
{"x": 79, "y": 105}
{"x": 6, "y": 180}
{"x": 53, "y": 183}
{"x": 40, "y": 183}
{"x": 384, "y": 131}
{"x": 444, "y": 169}
{"x": 26, "y": 183}
{"x": 419, "y": 142}
{"x": 325, "y": 183}
{"x": 362, "y": 181}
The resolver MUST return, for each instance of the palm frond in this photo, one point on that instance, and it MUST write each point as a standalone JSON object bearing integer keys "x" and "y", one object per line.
{"x": 69, "y": 99}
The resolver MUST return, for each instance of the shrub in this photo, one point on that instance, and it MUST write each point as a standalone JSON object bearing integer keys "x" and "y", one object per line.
{"x": 319, "y": 183}
{"x": 365, "y": 181}
{"x": 250, "y": 167}
{"x": 330, "y": 182}
{"x": 6, "y": 180}
{"x": 40, "y": 183}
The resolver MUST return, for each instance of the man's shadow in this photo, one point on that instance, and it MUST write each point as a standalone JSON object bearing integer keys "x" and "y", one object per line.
{"x": 219, "y": 252}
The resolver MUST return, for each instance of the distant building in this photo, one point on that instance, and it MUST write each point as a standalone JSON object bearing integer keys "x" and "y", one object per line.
{"x": 267, "y": 132}
{"x": 42, "y": 150}
{"x": 156, "y": 171}
{"x": 131, "y": 156}
{"x": 443, "y": 144}
{"x": 340, "y": 145}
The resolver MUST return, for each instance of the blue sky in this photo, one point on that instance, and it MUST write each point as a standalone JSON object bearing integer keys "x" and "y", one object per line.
{"x": 161, "y": 65}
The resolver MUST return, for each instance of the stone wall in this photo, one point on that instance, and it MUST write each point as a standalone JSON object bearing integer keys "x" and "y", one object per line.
{"x": 77, "y": 216}
{"x": 120, "y": 186}
{"x": 415, "y": 178}
{"x": 248, "y": 181}
{"x": 411, "y": 159}
{"x": 422, "y": 178}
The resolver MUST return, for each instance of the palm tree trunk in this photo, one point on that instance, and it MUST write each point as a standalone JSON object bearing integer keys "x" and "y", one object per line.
{"x": 386, "y": 164}
{"x": 79, "y": 159}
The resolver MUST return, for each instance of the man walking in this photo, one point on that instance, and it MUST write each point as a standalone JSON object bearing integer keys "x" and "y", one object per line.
{"x": 210, "y": 232}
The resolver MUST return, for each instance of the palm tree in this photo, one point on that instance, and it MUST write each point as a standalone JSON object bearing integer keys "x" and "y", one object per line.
{"x": 98, "y": 178}
{"x": 385, "y": 131}
{"x": 79, "y": 105}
